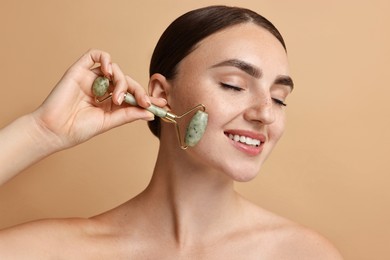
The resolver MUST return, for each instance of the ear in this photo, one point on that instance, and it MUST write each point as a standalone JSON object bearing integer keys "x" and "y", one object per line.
{"x": 159, "y": 87}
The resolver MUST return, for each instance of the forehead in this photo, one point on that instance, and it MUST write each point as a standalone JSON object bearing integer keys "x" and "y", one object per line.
{"x": 248, "y": 42}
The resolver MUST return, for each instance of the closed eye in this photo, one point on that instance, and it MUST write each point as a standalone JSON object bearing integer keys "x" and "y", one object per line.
{"x": 279, "y": 102}
{"x": 224, "y": 85}
{"x": 235, "y": 88}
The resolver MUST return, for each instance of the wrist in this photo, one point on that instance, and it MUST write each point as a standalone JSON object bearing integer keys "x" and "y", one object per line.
{"x": 45, "y": 141}
{"x": 23, "y": 142}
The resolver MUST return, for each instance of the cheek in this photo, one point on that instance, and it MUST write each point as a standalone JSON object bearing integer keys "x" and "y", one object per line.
{"x": 184, "y": 97}
{"x": 276, "y": 130}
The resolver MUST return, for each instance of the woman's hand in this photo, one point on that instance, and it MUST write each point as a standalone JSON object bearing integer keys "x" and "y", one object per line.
{"x": 70, "y": 114}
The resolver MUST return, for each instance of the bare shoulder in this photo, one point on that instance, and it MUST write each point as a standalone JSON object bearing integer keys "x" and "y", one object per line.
{"x": 303, "y": 243}
{"x": 288, "y": 240}
{"x": 39, "y": 239}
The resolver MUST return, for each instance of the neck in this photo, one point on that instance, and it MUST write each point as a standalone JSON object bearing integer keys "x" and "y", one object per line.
{"x": 189, "y": 199}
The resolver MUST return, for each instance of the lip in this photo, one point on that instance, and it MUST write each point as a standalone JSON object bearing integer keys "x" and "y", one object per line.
{"x": 247, "y": 149}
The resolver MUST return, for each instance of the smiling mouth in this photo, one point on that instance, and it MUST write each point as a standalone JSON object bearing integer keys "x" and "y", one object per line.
{"x": 244, "y": 139}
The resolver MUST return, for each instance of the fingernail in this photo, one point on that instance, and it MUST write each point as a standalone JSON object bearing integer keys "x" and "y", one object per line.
{"x": 150, "y": 117}
{"x": 147, "y": 100}
{"x": 110, "y": 70}
{"x": 120, "y": 98}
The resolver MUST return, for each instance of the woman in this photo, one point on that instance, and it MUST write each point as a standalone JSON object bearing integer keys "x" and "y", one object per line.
{"x": 231, "y": 60}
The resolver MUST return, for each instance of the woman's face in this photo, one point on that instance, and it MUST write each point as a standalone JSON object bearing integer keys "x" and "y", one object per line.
{"x": 241, "y": 75}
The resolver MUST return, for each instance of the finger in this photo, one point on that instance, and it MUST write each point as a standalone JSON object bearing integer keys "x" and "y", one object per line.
{"x": 139, "y": 92}
{"x": 93, "y": 56}
{"x": 98, "y": 71}
{"x": 120, "y": 84}
{"x": 126, "y": 115}
{"x": 160, "y": 102}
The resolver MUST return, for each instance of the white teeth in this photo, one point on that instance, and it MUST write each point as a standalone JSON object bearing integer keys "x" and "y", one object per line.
{"x": 245, "y": 140}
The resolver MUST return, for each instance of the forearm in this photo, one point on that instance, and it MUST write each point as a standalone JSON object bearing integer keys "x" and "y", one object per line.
{"x": 23, "y": 143}
{"x": 69, "y": 115}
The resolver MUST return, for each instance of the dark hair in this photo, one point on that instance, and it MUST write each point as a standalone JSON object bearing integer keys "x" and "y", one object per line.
{"x": 183, "y": 34}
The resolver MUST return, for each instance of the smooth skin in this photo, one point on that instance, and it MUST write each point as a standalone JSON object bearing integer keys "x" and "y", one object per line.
{"x": 69, "y": 116}
{"x": 190, "y": 209}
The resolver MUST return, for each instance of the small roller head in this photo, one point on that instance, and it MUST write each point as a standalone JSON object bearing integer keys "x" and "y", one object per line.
{"x": 100, "y": 86}
{"x": 196, "y": 128}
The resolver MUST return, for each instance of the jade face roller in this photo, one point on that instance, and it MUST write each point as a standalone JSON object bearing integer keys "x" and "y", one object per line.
{"x": 195, "y": 128}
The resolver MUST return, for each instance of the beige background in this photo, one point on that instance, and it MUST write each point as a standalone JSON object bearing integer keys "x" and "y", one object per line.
{"x": 331, "y": 170}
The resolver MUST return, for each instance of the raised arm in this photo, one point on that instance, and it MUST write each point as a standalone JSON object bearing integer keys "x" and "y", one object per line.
{"x": 70, "y": 115}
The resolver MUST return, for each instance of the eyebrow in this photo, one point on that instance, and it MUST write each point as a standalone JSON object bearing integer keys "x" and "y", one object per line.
{"x": 254, "y": 71}
{"x": 285, "y": 80}
{"x": 242, "y": 65}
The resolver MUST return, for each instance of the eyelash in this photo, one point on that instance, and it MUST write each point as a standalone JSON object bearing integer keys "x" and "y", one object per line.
{"x": 277, "y": 101}
{"x": 224, "y": 85}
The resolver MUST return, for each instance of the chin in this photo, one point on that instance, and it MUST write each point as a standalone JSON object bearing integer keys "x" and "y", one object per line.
{"x": 244, "y": 177}
{"x": 244, "y": 174}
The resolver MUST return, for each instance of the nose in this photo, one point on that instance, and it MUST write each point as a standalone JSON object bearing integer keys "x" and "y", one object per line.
{"x": 260, "y": 110}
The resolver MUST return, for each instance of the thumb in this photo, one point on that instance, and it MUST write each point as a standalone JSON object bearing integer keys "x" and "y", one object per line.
{"x": 127, "y": 115}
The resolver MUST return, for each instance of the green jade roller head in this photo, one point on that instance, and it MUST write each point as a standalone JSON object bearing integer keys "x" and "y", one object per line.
{"x": 195, "y": 128}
